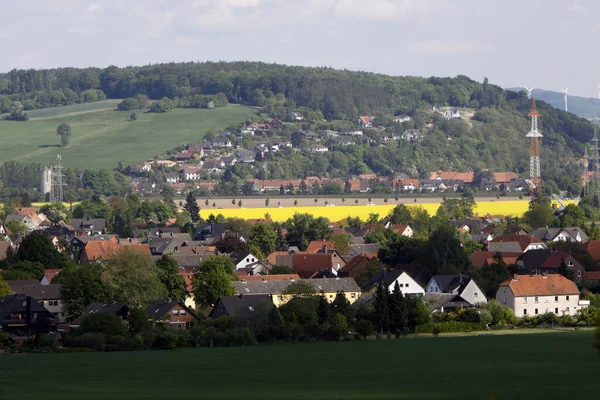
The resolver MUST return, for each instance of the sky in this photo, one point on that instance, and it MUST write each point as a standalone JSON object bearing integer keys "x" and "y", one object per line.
{"x": 548, "y": 44}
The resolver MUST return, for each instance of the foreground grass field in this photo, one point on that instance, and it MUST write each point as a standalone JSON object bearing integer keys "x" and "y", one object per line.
{"x": 102, "y": 137}
{"x": 543, "y": 366}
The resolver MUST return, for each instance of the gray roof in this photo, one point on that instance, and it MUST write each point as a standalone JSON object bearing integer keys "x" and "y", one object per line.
{"x": 35, "y": 289}
{"x": 358, "y": 249}
{"x": 17, "y": 303}
{"x": 451, "y": 283}
{"x": 162, "y": 244}
{"x": 545, "y": 234}
{"x": 505, "y": 247}
{"x": 327, "y": 285}
{"x": 187, "y": 260}
{"x": 97, "y": 224}
{"x": 239, "y": 306}
{"x": 115, "y": 308}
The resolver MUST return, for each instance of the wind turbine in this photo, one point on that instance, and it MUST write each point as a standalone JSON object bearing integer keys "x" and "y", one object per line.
{"x": 598, "y": 88}
{"x": 529, "y": 90}
{"x": 566, "y": 96}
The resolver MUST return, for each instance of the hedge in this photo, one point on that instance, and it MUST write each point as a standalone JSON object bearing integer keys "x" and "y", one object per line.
{"x": 450, "y": 326}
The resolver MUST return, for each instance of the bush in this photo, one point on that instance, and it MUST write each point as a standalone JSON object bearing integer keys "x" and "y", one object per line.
{"x": 103, "y": 322}
{"x": 93, "y": 341}
{"x": 364, "y": 328}
{"x": 436, "y": 331}
{"x": 128, "y": 104}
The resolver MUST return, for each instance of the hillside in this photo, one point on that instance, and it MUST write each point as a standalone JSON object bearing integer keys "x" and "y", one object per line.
{"x": 493, "y": 138}
{"x": 585, "y": 107}
{"x": 102, "y": 136}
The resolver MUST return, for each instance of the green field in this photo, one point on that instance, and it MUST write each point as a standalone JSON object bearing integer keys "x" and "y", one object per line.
{"x": 102, "y": 136}
{"x": 534, "y": 366}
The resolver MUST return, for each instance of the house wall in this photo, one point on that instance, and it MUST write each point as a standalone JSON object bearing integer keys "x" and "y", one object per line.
{"x": 527, "y": 305}
{"x": 179, "y": 320}
{"x": 408, "y": 232}
{"x": 281, "y": 299}
{"x": 56, "y": 308}
{"x": 249, "y": 259}
{"x": 473, "y": 294}
{"x": 407, "y": 285}
{"x": 432, "y": 287}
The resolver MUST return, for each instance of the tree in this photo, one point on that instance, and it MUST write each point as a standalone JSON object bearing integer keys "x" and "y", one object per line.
{"x": 264, "y": 237}
{"x": 103, "y": 322}
{"x": 398, "y": 310}
{"x": 38, "y": 247}
{"x": 341, "y": 242}
{"x": 539, "y": 215}
{"x": 565, "y": 271}
{"x": 25, "y": 270}
{"x": 132, "y": 278}
{"x": 213, "y": 279}
{"x": 363, "y": 275}
{"x": 56, "y": 212}
{"x": 133, "y": 116}
{"x": 323, "y": 310}
{"x": 267, "y": 202}
{"x": 341, "y": 305}
{"x": 172, "y": 280}
{"x": 81, "y": 286}
{"x": 64, "y": 131}
{"x": 240, "y": 204}
{"x": 347, "y": 186}
{"x": 191, "y": 206}
{"x": 300, "y": 289}
{"x": 280, "y": 270}
{"x": 130, "y": 103}
{"x": 381, "y": 309}
{"x": 4, "y": 288}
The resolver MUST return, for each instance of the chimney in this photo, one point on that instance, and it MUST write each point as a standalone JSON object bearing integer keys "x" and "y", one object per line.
{"x": 324, "y": 249}
{"x": 240, "y": 296}
{"x": 544, "y": 274}
{"x": 515, "y": 277}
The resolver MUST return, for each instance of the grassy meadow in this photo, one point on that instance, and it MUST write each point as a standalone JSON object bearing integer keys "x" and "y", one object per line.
{"x": 102, "y": 136}
{"x": 533, "y": 366}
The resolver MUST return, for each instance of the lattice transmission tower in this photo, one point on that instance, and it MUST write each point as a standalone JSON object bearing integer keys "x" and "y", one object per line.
{"x": 534, "y": 152}
{"x": 56, "y": 192}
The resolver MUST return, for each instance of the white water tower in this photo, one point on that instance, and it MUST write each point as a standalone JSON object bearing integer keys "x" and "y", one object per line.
{"x": 46, "y": 180}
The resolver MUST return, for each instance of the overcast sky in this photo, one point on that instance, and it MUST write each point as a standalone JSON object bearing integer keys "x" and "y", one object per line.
{"x": 543, "y": 43}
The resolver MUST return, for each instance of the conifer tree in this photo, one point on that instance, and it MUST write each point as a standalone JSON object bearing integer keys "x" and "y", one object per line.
{"x": 192, "y": 207}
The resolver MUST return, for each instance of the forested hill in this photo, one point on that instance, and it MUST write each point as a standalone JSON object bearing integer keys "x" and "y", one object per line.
{"x": 585, "y": 107}
{"x": 494, "y": 138}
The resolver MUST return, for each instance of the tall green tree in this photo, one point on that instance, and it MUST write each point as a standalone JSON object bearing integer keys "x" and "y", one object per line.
{"x": 172, "y": 280}
{"x": 398, "y": 310}
{"x": 191, "y": 206}
{"x": 213, "y": 279}
{"x": 132, "y": 278}
{"x": 264, "y": 237}
{"x": 381, "y": 311}
{"x": 81, "y": 286}
{"x": 64, "y": 131}
{"x": 38, "y": 247}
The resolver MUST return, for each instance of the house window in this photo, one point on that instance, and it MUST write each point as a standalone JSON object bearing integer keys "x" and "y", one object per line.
{"x": 555, "y": 298}
{"x": 182, "y": 312}
{"x": 556, "y": 310}
{"x": 567, "y": 298}
{"x": 504, "y": 299}
{"x": 406, "y": 285}
{"x": 353, "y": 295}
{"x": 524, "y": 311}
{"x": 536, "y": 299}
{"x": 536, "y": 311}
{"x": 570, "y": 264}
{"x": 175, "y": 312}
{"x": 280, "y": 298}
{"x": 475, "y": 294}
{"x": 567, "y": 309}
{"x": 579, "y": 273}
{"x": 525, "y": 300}
{"x": 247, "y": 260}
{"x": 331, "y": 296}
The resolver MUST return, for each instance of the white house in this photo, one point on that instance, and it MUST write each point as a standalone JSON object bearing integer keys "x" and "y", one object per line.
{"x": 353, "y": 133}
{"x": 191, "y": 173}
{"x": 560, "y": 234}
{"x": 389, "y": 277}
{"x": 451, "y": 113}
{"x": 401, "y": 118}
{"x": 464, "y": 288}
{"x": 530, "y": 295}
{"x": 243, "y": 260}
{"x": 318, "y": 148}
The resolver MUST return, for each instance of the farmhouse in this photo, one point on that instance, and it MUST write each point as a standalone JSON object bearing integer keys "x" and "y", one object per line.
{"x": 529, "y": 295}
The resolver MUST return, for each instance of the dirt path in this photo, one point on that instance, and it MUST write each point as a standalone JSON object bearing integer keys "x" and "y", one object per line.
{"x": 71, "y": 114}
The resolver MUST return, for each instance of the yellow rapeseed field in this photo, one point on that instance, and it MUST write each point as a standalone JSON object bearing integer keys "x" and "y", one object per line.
{"x": 336, "y": 213}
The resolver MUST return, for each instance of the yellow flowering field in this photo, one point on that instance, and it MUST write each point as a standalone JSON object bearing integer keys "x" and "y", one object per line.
{"x": 336, "y": 213}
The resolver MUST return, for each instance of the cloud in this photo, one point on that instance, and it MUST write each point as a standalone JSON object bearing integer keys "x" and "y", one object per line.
{"x": 384, "y": 10}
{"x": 450, "y": 47}
{"x": 94, "y": 7}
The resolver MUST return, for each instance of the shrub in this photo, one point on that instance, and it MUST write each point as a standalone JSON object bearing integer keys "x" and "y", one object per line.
{"x": 93, "y": 341}
{"x": 364, "y": 328}
{"x": 436, "y": 331}
{"x": 103, "y": 322}
{"x": 449, "y": 326}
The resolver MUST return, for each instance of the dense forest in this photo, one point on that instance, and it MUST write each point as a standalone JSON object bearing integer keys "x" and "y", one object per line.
{"x": 494, "y": 138}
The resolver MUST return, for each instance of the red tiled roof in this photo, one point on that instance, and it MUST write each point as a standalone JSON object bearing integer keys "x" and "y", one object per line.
{"x": 271, "y": 277}
{"x": 540, "y": 285}
{"x": 554, "y": 260}
{"x": 480, "y": 258}
{"x": 307, "y": 265}
{"x": 317, "y": 245}
{"x": 272, "y": 258}
{"x": 105, "y": 249}
{"x": 51, "y": 273}
{"x": 408, "y": 182}
{"x": 365, "y": 119}
{"x": 504, "y": 177}
{"x": 398, "y": 228}
{"x": 467, "y": 177}
{"x": 593, "y": 249}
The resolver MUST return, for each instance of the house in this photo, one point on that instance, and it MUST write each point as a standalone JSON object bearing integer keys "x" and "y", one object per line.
{"x": 308, "y": 134}
{"x": 245, "y": 156}
{"x": 26, "y": 220}
{"x": 408, "y": 185}
{"x": 353, "y": 133}
{"x": 23, "y": 315}
{"x": 529, "y": 295}
{"x": 243, "y": 307}
{"x": 327, "y": 287}
{"x": 214, "y": 166}
{"x": 412, "y": 135}
{"x": 370, "y": 249}
{"x": 389, "y": 277}
{"x": 47, "y": 295}
{"x": 365, "y": 121}
{"x": 163, "y": 244}
{"x": 308, "y": 265}
{"x": 343, "y": 141}
{"x": 192, "y": 173}
{"x": 318, "y": 148}
{"x": 515, "y": 244}
{"x": 172, "y": 178}
{"x": 104, "y": 250}
{"x": 320, "y": 246}
{"x": 401, "y": 118}
{"x": 49, "y": 274}
{"x": 90, "y": 227}
{"x": 243, "y": 259}
{"x": 355, "y": 266}
{"x": 209, "y": 232}
{"x": 402, "y": 230}
{"x": 451, "y": 113}
{"x": 560, "y": 234}
{"x": 296, "y": 116}
{"x": 221, "y": 141}
{"x": 479, "y": 259}
{"x": 172, "y": 313}
{"x": 549, "y": 261}
{"x": 593, "y": 249}
{"x": 465, "y": 290}
{"x": 282, "y": 277}
{"x": 466, "y": 177}
{"x": 118, "y": 309}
